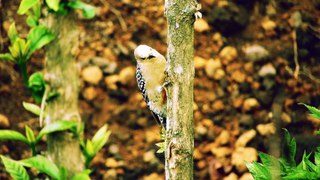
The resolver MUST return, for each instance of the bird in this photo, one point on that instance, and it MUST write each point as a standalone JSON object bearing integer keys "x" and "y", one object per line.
{"x": 150, "y": 76}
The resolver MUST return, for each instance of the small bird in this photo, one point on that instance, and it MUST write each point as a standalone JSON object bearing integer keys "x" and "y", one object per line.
{"x": 150, "y": 75}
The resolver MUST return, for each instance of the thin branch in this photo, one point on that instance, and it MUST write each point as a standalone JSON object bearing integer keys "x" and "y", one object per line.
{"x": 117, "y": 13}
{"x": 295, "y": 54}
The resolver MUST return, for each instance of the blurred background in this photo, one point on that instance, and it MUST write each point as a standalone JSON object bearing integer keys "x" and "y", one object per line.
{"x": 247, "y": 86}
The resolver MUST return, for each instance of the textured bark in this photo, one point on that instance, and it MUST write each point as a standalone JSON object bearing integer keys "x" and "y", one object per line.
{"x": 63, "y": 77}
{"x": 180, "y": 69}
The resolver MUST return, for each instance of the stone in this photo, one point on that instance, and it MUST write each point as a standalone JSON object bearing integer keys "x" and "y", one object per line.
{"x": 238, "y": 76}
{"x": 211, "y": 67}
{"x": 246, "y": 137}
{"x": 199, "y": 62}
{"x": 201, "y": 25}
{"x": 255, "y": 52}
{"x": 228, "y": 54}
{"x": 220, "y": 152}
{"x": 218, "y": 105}
{"x": 153, "y": 176}
{"x": 231, "y": 176}
{"x": 114, "y": 149}
{"x": 267, "y": 70}
{"x": 246, "y": 176}
{"x": 268, "y": 25}
{"x": 241, "y": 156}
{"x": 286, "y": 119}
{"x": 111, "y": 163}
{"x": 90, "y": 93}
{"x": 250, "y": 103}
{"x": 4, "y": 121}
{"x": 219, "y": 74}
{"x": 266, "y": 129}
{"x": 92, "y": 74}
{"x": 223, "y": 138}
{"x": 149, "y": 156}
{"x": 152, "y": 136}
{"x": 127, "y": 75}
{"x": 197, "y": 154}
{"x": 202, "y": 164}
{"x": 111, "y": 81}
{"x": 246, "y": 120}
{"x": 201, "y": 130}
{"x": 111, "y": 174}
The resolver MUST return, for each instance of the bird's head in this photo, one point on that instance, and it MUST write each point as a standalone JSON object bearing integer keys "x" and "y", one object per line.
{"x": 144, "y": 52}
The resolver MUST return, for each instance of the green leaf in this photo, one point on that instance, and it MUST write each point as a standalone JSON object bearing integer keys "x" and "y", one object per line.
{"x": 35, "y": 109}
{"x": 32, "y": 21}
{"x": 42, "y": 164}
{"x": 100, "y": 138}
{"x": 25, "y": 5}
{"x": 317, "y": 157}
{"x": 7, "y": 57}
{"x": 84, "y": 175}
{"x": 30, "y": 135}
{"x": 258, "y": 171}
{"x": 12, "y": 135}
{"x": 289, "y": 148}
{"x": 38, "y": 37}
{"x": 15, "y": 169}
{"x": 12, "y": 33}
{"x": 37, "y": 10}
{"x": 53, "y": 4}
{"x": 161, "y": 147}
{"x": 56, "y": 126}
{"x": 37, "y": 86}
{"x": 88, "y": 11}
{"x": 63, "y": 173}
{"x": 314, "y": 111}
{"x": 90, "y": 149}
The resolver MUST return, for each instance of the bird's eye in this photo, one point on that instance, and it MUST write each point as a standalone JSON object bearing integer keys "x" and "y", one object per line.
{"x": 151, "y": 56}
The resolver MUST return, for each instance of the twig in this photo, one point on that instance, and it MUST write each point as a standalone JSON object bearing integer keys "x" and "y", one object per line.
{"x": 43, "y": 102}
{"x": 117, "y": 13}
{"x": 295, "y": 54}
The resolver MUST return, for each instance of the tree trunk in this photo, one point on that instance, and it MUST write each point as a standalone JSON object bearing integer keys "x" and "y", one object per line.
{"x": 63, "y": 77}
{"x": 179, "y": 136}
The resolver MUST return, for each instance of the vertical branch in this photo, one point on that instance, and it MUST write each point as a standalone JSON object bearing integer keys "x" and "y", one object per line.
{"x": 62, "y": 76}
{"x": 180, "y": 69}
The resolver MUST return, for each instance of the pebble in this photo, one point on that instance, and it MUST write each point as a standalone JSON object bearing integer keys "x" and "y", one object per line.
{"x": 111, "y": 82}
{"x": 199, "y": 62}
{"x": 266, "y": 129}
{"x": 127, "y": 75}
{"x": 241, "y": 156}
{"x": 111, "y": 174}
{"x": 4, "y": 121}
{"x": 246, "y": 176}
{"x": 246, "y": 120}
{"x": 231, "y": 176}
{"x": 238, "y": 76}
{"x": 202, "y": 164}
{"x": 286, "y": 119}
{"x": 250, "y": 103}
{"x": 153, "y": 176}
{"x": 220, "y": 152}
{"x": 149, "y": 157}
{"x": 255, "y": 52}
{"x": 201, "y": 25}
{"x": 114, "y": 149}
{"x": 268, "y": 25}
{"x": 211, "y": 66}
{"x": 92, "y": 74}
{"x": 108, "y": 53}
{"x": 90, "y": 93}
{"x": 111, "y": 163}
{"x": 223, "y": 138}
{"x": 152, "y": 136}
{"x": 197, "y": 154}
{"x": 228, "y": 54}
{"x": 267, "y": 70}
{"x": 246, "y": 137}
{"x": 218, "y": 105}
{"x": 201, "y": 130}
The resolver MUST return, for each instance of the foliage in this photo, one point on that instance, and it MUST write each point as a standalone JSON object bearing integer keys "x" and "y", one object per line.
{"x": 91, "y": 147}
{"x": 286, "y": 167}
{"x": 162, "y": 143}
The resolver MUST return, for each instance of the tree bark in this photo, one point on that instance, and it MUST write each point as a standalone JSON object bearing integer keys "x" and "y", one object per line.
{"x": 180, "y": 74}
{"x": 62, "y": 76}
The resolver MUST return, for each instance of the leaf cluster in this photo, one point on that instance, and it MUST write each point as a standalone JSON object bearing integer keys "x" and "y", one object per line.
{"x": 285, "y": 167}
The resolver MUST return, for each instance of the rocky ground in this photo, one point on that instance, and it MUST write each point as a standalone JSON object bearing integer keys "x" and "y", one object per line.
{"x": 247, "y": 85}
